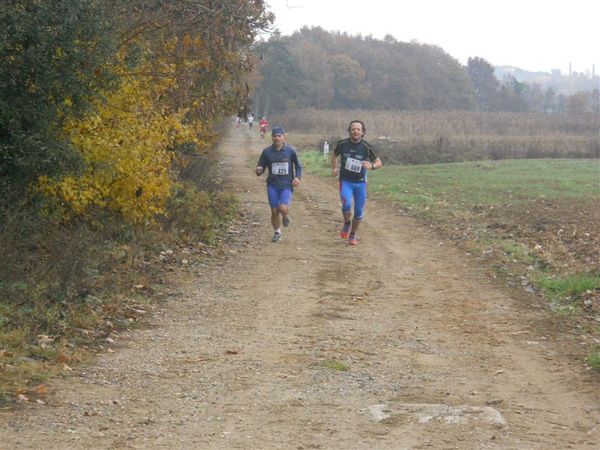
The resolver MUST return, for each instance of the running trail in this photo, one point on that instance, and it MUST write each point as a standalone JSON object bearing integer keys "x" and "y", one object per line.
{"x": 399, "y": 343}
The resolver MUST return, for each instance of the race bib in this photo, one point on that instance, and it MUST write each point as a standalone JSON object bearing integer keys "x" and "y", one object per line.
{"x": 280, "y": 168}
{"x": 353, "y": 165}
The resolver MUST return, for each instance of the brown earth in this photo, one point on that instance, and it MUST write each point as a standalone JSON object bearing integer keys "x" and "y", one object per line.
{"x": 401, "y": 342}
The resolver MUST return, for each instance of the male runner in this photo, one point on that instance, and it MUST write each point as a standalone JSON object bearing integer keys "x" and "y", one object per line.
{"x": 285, "y": 171}
{"x": 357, "y": 156}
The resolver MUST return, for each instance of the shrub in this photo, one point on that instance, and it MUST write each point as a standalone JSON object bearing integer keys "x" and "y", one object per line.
{"x": 199, "y": 214}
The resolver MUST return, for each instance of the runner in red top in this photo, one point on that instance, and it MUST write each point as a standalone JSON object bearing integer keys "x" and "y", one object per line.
{"x": 264, "y": 124}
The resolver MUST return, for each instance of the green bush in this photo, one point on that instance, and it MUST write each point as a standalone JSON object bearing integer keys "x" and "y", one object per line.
{"x": 53, "y": 54}
{"x": 199, "y": 214}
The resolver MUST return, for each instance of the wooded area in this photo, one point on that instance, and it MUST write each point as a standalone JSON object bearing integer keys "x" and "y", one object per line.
{"x": 317, "y": 69}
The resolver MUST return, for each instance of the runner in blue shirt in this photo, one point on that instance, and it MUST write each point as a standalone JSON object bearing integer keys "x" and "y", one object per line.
{"x": 357, "y": 156}
{"x": 285, "y": 172}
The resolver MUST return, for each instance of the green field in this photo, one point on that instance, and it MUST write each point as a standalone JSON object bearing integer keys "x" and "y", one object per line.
{"x": 458, "y": 186}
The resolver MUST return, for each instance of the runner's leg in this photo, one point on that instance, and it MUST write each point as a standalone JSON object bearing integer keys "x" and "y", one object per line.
{"x": 273, "y": 193}
{"x": 275, "y": 220}
{"x": 285, "y": 199}
{"x": 359, "y": 192}
{"x": 346, "y": 198}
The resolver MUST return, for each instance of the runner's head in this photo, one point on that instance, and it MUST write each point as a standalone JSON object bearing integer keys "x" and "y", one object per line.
{"x": 277, "y": 130}
{"x": 278, "y": 136}
{"x": 357, "y": 130}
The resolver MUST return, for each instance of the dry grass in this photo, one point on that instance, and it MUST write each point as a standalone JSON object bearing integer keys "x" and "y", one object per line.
{"x": 465, "y": 124}
{"x": 452, "y": 136}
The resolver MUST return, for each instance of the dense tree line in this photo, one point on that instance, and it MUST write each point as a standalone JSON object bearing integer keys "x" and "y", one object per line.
{"x": 315, "y": 68}
{"x": 66, "y": 64}
{"x": 331, "y": 70}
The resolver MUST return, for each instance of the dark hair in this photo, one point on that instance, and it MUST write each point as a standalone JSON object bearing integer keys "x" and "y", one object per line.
{"x": 364, "y": 129}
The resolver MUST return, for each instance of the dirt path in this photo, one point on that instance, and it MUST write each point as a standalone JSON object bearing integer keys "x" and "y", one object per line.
{"x": 243, "y": 354}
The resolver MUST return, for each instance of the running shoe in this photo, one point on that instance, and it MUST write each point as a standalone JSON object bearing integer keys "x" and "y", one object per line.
{"x": 345, "y": 231}
{"x": 352, "y": 240}
{"x": 285, "y": 221}
{"x": 276, "y": 237}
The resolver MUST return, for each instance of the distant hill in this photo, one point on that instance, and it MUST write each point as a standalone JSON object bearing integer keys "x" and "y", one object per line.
{"x": 562, "y": 84}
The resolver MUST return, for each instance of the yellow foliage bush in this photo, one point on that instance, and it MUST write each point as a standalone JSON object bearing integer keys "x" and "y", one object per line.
{"x": 199, "y": 214}
{"x": 125, "y": 146}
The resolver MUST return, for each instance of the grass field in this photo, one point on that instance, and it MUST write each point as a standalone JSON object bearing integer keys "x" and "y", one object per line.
{"x": 484, "y": 184}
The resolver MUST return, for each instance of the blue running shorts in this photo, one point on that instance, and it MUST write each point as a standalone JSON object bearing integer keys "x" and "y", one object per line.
{"x": 278, "y": 196}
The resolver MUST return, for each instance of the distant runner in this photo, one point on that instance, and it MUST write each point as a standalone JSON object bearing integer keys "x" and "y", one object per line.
{"x": 263, "y": 124}
{"x": 285, "y": 172}
{"x": 357, "y": 156}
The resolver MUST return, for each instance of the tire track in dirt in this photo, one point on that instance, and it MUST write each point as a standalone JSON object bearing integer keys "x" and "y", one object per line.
{"x": 437, "y": 356}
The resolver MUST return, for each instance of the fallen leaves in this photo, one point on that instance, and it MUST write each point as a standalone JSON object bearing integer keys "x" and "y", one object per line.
{"x": 44, "y": 341}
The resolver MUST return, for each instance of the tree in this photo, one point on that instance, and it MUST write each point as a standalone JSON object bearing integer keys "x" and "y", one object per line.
{"x": 512, "y": 95}
{"x": 445, "y": 84}
{"x": 211, "y": 44}
{"x": 281, "y": 77}
{"x": 578, "y": 104}
{"x": 485, "y": 83}
{"x": 180, "y": 67}
{"x": 350, "y": 90}
{"x": 317, "y": 78}
{"x": 54, "y": 55}
{"x": 550, "y": 101}
{"x": 71, "y": 68}
{"x": 338, "y": 70}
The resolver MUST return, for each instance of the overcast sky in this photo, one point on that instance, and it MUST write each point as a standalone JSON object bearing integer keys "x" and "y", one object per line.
{"x": 530, "y": 34}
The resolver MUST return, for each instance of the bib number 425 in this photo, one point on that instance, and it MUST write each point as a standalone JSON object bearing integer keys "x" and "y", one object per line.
{"x": 280, "y": 168}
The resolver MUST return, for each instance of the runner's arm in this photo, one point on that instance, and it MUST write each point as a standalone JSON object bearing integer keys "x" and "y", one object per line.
{"x": 297, "y": 170}
{"x": 372, "y": 164}
{"x": 262, "y": 164}
{"x": 334, "y": 164}
{"x": 375, "y": 161}
{"x": 297, "y": 166}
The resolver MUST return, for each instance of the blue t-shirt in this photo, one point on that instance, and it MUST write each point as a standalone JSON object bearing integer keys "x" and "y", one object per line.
{"x": 283, "y": 165}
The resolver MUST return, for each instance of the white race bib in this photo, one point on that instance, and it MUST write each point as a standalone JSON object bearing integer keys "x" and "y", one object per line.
{"x": 353, "y": 165}
{"x": 280, "y": 168}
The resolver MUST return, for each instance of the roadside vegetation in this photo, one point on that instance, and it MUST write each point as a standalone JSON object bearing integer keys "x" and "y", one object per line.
{"x": 109, "y": 114}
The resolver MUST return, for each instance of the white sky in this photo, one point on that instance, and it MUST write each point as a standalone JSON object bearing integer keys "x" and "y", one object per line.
{"x": 530, "y": 34}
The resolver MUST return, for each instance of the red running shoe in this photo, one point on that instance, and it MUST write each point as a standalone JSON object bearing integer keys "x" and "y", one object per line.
{"x": 352, "y": 240}
{"x": 345, "y": 231}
